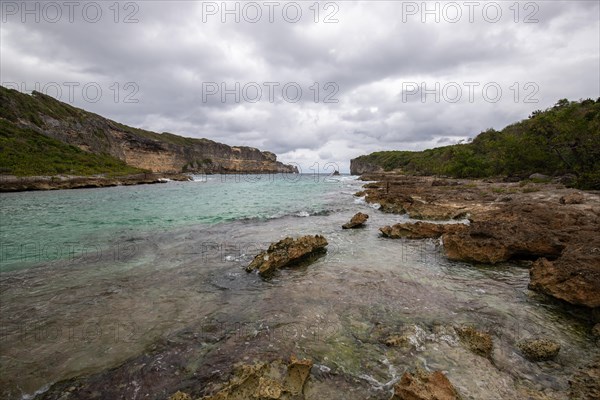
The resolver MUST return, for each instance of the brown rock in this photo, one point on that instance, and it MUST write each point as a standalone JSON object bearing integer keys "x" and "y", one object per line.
{"x": 479, "y": 343}
{"x": 357, "y": 221}
{"x": 573, "y": 198}
{"x": 423, "y": 386}
{"x": 273, "y": 381}
{"x": 180, "y": 396}
{"x": 286, "y": 252}
{"x": 574, "y": 277}
{"x": 539, "y": 349}
{"x": 434, "y": 212}
{"x": 297, "y": 374}
{"x": 420, "y": 230}
{"x": 497, "y": 241}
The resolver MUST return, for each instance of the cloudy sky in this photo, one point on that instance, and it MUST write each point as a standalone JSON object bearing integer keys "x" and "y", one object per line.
{"x": 314, "y": 82}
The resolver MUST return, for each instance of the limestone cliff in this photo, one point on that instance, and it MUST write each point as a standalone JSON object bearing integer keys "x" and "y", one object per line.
{"x": 164, "y": 152}
{"x": 359, "y": 166}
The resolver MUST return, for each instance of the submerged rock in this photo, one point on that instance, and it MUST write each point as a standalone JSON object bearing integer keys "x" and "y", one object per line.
{"x": 286, "y": 252}
{"x": 420, "y": 230}
{"x": 585, "y": 383}
{"x": 539, "y": 349}
{"x": 357, "y": 221}
{"x": 479, "y": 343}
{"x": 424, "y": 386}
{"x": 275, "y": 380}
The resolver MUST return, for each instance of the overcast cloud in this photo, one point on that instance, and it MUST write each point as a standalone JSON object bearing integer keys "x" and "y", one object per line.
{"x": 371, "y": 58}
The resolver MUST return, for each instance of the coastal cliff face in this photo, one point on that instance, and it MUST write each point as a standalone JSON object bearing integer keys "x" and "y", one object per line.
{"x": 359, "y": 166}
{"x": 162, "y": 153}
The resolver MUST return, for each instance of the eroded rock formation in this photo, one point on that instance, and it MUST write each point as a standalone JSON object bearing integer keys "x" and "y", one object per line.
{"x": 286, "y": 252}
{"x": 356, "y": 221}
{"x": 424, "y": 386}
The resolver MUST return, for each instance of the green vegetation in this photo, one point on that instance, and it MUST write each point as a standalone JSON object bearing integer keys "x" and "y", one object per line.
{"x": 564, "y": 139}
{"x": 26, "y": 152}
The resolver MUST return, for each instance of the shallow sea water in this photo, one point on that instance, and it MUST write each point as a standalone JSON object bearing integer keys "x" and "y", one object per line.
{"x": 92, "y": 278}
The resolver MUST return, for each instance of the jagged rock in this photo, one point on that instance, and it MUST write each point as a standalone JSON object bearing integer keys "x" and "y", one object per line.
{"x": 479, "y": 343}
{"x": 596, "y": 331}
{"x": 496, "y": 241}
{"x": 434, "y": 212}
{"x": 423, "y": 386}
{"x": 358, "y": 166}
{"x": 573, "y": 198}
{"x": 419, "y": 230}
{"x": 180, "y": 396}
{"x": 539, "y": 349}
{"x": 574, "y": 277}
{"x": 286, "y": 252}
{"x": 273, "y": 381}
{"x": 357, "y": 221}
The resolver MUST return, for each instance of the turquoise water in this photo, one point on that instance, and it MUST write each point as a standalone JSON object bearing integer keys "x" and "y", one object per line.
{"x": 93, "y": 278}
{"x": 40, "y": 227}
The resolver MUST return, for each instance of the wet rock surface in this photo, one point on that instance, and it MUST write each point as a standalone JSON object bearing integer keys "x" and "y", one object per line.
{"x": 420, "y": 230}
{"x": 356, "y": 221}
{"x": 539, "y": 349}
{"x": 287, "y": 252}
{"x": 424, "y": 386}
{"x": 585, "y": 384}
{"x": 479, "y": 343}
{"x": 275, "y": 380}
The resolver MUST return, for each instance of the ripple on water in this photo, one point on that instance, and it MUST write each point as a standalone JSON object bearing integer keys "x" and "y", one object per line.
{"x": 187, "y": 283}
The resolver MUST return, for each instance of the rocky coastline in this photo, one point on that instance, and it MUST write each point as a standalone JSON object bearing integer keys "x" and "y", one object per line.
{"x": 11, "y": 183}
{"x": 548, "y": 227}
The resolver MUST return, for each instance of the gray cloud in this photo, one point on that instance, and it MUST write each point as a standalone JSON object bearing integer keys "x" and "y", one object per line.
{"x": 395, "y": 77}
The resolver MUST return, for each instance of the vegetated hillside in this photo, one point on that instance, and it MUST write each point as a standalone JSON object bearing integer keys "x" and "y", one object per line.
{"x": 86, "y": 143}
{"x": 564, "y": 139}
{"x": 25, "y": 152}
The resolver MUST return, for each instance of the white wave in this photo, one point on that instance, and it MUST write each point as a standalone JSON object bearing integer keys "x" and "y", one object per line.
{"x": 376, "y": 206}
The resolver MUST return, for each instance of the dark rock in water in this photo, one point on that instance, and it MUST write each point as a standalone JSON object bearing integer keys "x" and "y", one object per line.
{"x": 286, "y": 252}
{"x": 420, "y": 230}
{"x": 357, "y": 221}
{"x": 573, "y": 198}
{"x": 539, "y": 349}
{"x": 424, "y": 386}
{"x": 479, "y": 343}
{"x": 336, "y": 172}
